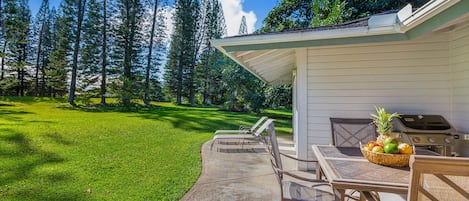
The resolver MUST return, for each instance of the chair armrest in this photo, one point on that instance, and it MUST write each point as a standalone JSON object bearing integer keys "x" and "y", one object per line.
{"x": 319, "y": 182}
{"x": 244, "y": 127}
{"x": 232, "y": 132}
{"x": 298, "y": 159}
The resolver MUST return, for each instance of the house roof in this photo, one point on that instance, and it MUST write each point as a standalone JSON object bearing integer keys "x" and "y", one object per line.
{"x": 272, "y": 56}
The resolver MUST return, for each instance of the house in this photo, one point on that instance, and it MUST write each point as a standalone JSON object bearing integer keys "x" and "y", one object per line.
{"x": 408, "y": 62}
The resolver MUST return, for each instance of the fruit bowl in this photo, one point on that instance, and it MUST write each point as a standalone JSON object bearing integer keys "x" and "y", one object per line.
{"x": 392, "y": 160}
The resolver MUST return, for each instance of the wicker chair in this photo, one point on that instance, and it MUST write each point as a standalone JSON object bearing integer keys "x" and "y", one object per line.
{"x": 318, "y": 190}
{"x": 438, "y": 178}
{"x": 350, "y": 132}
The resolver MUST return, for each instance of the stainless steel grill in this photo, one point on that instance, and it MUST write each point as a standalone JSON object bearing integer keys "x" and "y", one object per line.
{"x": 430, "y": 132}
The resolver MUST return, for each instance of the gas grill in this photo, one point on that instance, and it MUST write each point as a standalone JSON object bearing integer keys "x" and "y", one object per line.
{"x": 430, "y": 132}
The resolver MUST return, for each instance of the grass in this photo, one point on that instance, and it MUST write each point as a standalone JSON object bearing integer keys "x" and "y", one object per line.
{"x": 50, "y": 151}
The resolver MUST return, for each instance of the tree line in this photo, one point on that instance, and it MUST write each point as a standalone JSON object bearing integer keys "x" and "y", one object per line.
{"x": 120, "y": 48}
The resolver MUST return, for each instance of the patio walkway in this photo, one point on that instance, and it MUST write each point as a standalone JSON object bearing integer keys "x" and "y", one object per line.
{"x": 231, "y": 171}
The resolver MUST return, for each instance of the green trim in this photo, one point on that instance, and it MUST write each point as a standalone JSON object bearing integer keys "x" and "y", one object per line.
{"x": 323, "y": 42}
{"x": 444, "y": 17}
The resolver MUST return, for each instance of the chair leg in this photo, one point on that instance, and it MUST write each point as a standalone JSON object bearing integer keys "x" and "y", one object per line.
{"x": 211, "y": 145}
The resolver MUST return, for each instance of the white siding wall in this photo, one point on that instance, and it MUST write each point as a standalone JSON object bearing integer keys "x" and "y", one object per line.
{"x": 460, "y": 67}
{"x": 405, "y": 77}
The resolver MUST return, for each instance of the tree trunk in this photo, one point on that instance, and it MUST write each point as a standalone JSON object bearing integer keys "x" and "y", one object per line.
{"x": 38, "y": 56}
{"x": 2, "y": 70}
{"x": 179, "y": 89}
{"x": 43, "y": 77}
{"x": 23, "y": 71}
{"x": 127, "y": 88}
{"x": 73, "y": 81}
{"x": 103, "y": 56}
{"x": 150, "y": 48}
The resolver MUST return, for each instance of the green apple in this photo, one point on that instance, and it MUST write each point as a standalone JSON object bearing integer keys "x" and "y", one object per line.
{"x": 391, "y": 148}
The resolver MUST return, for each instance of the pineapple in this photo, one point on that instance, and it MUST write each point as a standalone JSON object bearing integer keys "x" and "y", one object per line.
{"x": 383, "y": 122}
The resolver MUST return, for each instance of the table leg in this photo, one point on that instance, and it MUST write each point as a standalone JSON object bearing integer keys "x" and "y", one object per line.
{"x": 318, "y": 171}
{"x": 339, "y": 194}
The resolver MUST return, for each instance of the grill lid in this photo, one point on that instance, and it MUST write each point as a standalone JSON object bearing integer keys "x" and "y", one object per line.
{"x": 425, "y": 122}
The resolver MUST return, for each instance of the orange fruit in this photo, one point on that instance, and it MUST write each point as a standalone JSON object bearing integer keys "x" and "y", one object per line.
{"x": 405, "y": 148}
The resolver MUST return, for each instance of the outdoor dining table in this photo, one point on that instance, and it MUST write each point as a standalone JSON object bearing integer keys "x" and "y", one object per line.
{"x": 346, "y": 168}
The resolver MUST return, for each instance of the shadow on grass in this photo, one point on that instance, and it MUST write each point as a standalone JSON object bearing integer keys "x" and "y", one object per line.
{"x": 30, "y": 99}
{"x": 20, "y": 162}
{"x": 199, "y": 119}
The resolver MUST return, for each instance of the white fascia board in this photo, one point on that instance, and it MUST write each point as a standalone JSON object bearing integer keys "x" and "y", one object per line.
{"x": 304, "y": 36}
{"x": 429, "y": 10}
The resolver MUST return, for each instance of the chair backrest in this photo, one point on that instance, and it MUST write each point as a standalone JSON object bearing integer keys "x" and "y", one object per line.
{"x": 438, "y": 178}
{"x": 258, "y": 131}
{"x": 347, "y": 132}
{"x": 262, "y": 119}
{"x": 274, "y": 151}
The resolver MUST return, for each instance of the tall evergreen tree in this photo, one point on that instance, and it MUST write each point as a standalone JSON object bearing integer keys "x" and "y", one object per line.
{"x": 149, "y": 57}
{"x": 91, "y": 57}
{"x": 17, "y": 20}
{"x": 104, "y": 49}
{"x": 42, "y": 20}
{"x": 2, "y": 47}
{"x": 128, "y": 38}
{"x": 243, "y": 28}
{"x": 80, "y": 7}
{"x": 60, "y": 56}
{"x": 180, "y": 67}
{"x": 208, "y": 67}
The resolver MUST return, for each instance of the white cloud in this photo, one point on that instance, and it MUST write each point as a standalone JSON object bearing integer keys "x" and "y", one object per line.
{"x": 233, "y": 11}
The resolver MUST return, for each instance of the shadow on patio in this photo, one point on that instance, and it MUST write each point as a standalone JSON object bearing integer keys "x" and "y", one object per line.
{"x": 235, "y": 171}
{"x": 232, "y": 171}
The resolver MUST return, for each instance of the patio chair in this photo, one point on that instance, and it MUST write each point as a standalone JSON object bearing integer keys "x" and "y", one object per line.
{"x": 253, "y": 133}
{"x": 290, "y": 190}
{"x": 347, "y": 132}
{"x": 438, "y": 178}
{"x": 242, "y": 129}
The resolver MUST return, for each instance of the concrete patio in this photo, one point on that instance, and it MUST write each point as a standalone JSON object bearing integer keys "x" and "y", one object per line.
{"x": 231, "y": 171}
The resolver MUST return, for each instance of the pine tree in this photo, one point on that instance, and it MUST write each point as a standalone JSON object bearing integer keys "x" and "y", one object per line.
{"x": 80, "y": 7}
{"x": 243, "y": 28}
{"x": 2, "y": 47}
{"x": 179, "y": 75}
{"x": 17, "y": 20}
{"x": 42, "y": 20}
{"x": 49, "y": 44}
{"x": 146, "y": 98}
{"x": 214, "y": 27}
{"x": 128, "y": 38}
{"x": 59, "y": 58}
{"x": 104, "y": 58}
{"x": 91, "y": 57}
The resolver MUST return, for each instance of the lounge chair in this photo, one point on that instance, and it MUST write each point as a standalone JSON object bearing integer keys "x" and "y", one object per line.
{"x": 242, "y": 129}
{"x": 318, "y": 189}
{"x": 252, "y": 133}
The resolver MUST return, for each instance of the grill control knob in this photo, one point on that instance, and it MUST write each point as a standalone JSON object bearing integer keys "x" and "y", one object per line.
{"x": 449, "y": 139}
{"x": 416, "y": 139}
{"x": 431, "y": 139}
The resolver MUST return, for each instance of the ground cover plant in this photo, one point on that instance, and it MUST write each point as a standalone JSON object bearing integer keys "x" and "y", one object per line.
{"x": 51, "y": 151}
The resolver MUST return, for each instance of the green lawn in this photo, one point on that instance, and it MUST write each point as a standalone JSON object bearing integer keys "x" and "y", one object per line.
{"x": 50, "y": 151}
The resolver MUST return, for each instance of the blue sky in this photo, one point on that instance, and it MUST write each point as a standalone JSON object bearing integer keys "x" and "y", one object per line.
{"x": 254, "y": 10}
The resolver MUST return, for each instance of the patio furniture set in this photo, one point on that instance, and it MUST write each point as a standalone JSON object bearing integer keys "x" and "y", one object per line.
{"x": 342, "y": 173}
